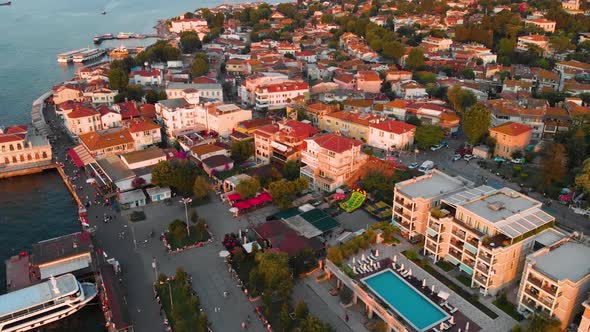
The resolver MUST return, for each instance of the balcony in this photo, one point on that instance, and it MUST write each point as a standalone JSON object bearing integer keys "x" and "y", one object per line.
{"x": 455, "y": 254}
{"x": 485, "y": 258}
{"x": 481, "y": 279}
{"x": 534, "y": 294}
{"x": 457, "y": 244}
{"x": 483, "y": 268}
{"x": 458, "y": 233}
{"x": 438, "y": 213}
{"x": 546, "y": 287}
{"x": 431, "y": 247}
{"x": 434, "y": 227}
{"x": 402, "y": 203}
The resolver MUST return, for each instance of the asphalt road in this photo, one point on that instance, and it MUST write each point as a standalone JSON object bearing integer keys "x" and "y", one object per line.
{"x": 472, "y": 171}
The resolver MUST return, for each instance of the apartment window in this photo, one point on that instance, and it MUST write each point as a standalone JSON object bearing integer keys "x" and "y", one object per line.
{"x": 331, "y": 154}
{"x": 18, "y": 146}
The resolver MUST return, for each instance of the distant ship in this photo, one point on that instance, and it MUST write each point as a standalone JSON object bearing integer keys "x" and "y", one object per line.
{"x": 29, "y": 308}
{"x": 125, "y": 35}
{"x": 6, "y": 3}
{"x": 119, "y": 52}
{"x": 104, "y": 12}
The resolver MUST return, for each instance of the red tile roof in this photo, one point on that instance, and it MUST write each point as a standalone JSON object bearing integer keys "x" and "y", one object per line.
{"x": 139, "y": 124}
{"x": 18, "y": 129}
{"x": 145, "y": 73}
{"x": 128, "y": 110}
{"x": 393, "y": 126}
{"x": 81, "y": 112}
{"x": 512, "y": 129}
{"x": 286, "y": 86}
{"x": 336, "y": 143}
{"x": 11, "y": 138}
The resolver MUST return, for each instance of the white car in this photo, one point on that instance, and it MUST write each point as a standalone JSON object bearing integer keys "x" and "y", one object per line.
{"x": 517, "y": 161}
{"x": 456, "y": 157}
{"x": 436, "y": 147}
{"x": 412, "y": 165}
{"x": 468, "y": 157}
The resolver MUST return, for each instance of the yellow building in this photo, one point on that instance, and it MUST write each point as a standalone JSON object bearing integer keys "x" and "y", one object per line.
{"x": 487, "y": 233}
{"x": 351, "y": 124}
{"x": 556, "y": 281}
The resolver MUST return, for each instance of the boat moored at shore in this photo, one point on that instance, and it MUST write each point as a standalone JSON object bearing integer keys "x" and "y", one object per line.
{"x": 88, "y": 55}
{"x": 31, "y": 307}
{"x": 69, "y": 56}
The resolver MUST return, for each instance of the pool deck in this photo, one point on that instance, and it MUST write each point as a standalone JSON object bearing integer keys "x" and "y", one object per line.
{"x": 415, "y": 289}
{"x": 460, "y": 319}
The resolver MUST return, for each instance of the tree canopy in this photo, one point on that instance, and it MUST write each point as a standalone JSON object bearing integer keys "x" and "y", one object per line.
{"x": 241, "y": 151}
{"x": 118, "y": 79}
{"x": 428, "y": 135}
{"x": 201, "y": 188}
{"x": 291, "y": 170}
{"x": 460, "y": 99}
{"x": 476, "y": 122}
{"x": 415, "y": 59}
{"x": 583, "y": 178}
{"x": 178, "y": 174}
{"x": 161, "y": 51}
{"x": 199, "y": 66}
{"x": 553, "y": 164}
{"x": 283, "y": 192}
{"x": 190, "y": 42}
{"x": 248, "y": 188}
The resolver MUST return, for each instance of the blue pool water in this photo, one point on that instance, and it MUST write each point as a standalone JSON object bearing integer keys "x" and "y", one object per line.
{"x": 418, "y": 310}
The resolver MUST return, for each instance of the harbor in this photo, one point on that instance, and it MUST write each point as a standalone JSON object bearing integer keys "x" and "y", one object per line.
{"x": 124, "y": 35}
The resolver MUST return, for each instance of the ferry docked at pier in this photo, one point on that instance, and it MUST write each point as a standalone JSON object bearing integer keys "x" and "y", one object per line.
{"x": 31, "y": 307}
{"x": 125, "y": 35}
{"x": 106, "y": 36}
{"x": 91, "y": 54}
{"x": 69, "y": 56}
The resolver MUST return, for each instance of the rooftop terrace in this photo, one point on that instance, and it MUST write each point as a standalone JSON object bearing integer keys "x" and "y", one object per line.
{"x": 570, "y": 261}
{"x": 431, "y": 185}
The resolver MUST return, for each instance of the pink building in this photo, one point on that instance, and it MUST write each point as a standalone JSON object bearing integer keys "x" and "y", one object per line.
{"x": 368, "y": 81}
{"x": 391, "y": 134}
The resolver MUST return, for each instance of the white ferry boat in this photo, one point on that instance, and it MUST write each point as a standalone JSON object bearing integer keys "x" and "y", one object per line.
{"x": 69, "y": 56}
{"x": 90, "y": 54}
{"x": 125, "y": 35}
{"x": 29, "y": 308}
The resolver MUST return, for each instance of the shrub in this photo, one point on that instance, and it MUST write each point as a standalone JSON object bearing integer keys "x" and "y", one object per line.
{"x": 524, "y": 175}
{"x": 345, "y": 295}
{"x": 411, "y": 255}
{"x": 301, "y": 310}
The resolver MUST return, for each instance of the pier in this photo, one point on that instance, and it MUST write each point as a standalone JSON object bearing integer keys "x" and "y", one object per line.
{"x": 99, "y": 39}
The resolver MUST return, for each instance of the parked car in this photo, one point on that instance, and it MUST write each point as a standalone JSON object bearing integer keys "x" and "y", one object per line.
{"x": 412, "y": 165}
{"x": 436, "y": 147}
{"x": 426, "y": 166}
{"x": 499, "y": 159}
{"x": 468, "y": 157}
{"x": 457, "y": 157}
{"x": 518, "y": 161}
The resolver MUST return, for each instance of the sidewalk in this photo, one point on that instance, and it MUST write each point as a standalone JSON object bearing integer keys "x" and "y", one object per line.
{"x": 323, "y": 300}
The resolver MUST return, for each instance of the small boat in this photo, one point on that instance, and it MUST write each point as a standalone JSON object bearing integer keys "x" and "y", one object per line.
{"x": 6, "y": 3}
{"x": 104, "y": 12}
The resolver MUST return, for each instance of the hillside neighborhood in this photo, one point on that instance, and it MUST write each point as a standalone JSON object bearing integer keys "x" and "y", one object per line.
{"x": 356, "y": 166}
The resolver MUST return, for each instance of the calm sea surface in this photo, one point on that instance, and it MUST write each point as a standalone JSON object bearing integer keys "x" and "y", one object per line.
{"x": 33, "y": 32}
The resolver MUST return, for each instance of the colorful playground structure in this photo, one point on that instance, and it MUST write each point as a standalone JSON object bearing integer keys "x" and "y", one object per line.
{"x": 355, "y": 201}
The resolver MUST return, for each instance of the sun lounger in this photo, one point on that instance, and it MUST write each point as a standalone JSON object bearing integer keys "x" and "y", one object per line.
{"x": 436, "y": 330}
{"x": 378, "y": 265}
{"x": 449, "y": 307}
{"x": 373, "y": 257}
{"x": 354, "y": 270}
{"x": 405, "y": 273}
{"x": 400, "y": 269}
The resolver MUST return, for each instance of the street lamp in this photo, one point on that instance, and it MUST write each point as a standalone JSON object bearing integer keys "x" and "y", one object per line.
{"x": 186, "y": 201}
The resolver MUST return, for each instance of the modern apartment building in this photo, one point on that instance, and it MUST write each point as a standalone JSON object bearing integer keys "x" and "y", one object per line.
{"x": 330, "y": 160}
{"x": 414, "y": 198}
{"x": 556, "y": 281}
{"x": 487, "y": 233}
{"x": 278, "y": 95}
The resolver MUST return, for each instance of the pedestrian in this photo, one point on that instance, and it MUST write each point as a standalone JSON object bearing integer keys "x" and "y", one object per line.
{"x": 243, "y": 325}
{"x": 346, "y": 317}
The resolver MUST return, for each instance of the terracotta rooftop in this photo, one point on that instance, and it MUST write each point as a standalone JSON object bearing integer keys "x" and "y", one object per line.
{"x": 81, "y": 112}
{"x": 99, "y": 140}
{"x": 336, "y": 143}
{"x": 512, "y": 129}
{"x": 394, "y": 126}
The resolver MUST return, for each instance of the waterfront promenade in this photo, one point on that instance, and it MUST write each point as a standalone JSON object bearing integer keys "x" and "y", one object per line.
{"x": 125, "y": 242}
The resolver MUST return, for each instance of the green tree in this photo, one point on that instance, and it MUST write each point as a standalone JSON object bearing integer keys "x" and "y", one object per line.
{"x": 190, "y": 42}
{"x": 275, "y": 276}
{"x": 162, "y": 174}
{"x": 199, "y": 67}
{"x": 542, "y": 323}
{"x": 414, "y": 120}
{"x": 153, "y": 96}
{"x": 561, "y": 44}
{"x": 583, "y": 178}
{"x": 415, "y": 59}
{"x": 284, "y": 318}
{"x": 393, "y": 50}
{"x": 291, "y": 170}
{"x": 248, "y": 188}
{"x": 201, "y": 188}
{"x": 476, "y": 122}
{"x": 241, "y": 151}
{"x": 283, "y": 192}
{"x": 468, "y": 73}
{"x": 460, "y": 99}
{"x": 118, "y": 79}
{"x": 346, "y": 295}
{"x": 428, "y": 135}
{"x": 301, "y": 310}
{"x": 314, "y": 324}
{"x": 553, "y": 164}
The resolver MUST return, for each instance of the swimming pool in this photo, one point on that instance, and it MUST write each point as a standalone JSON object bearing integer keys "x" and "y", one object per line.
{"x": 406, "y": 301}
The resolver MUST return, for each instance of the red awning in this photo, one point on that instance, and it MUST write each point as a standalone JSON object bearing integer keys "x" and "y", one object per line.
{"x": 264, "y": 197}
{"x": 254, "y": 201}
{"x": 234, "y": 197}
{"x": 72, "y": 153}
{"x": 242, "y": 205}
